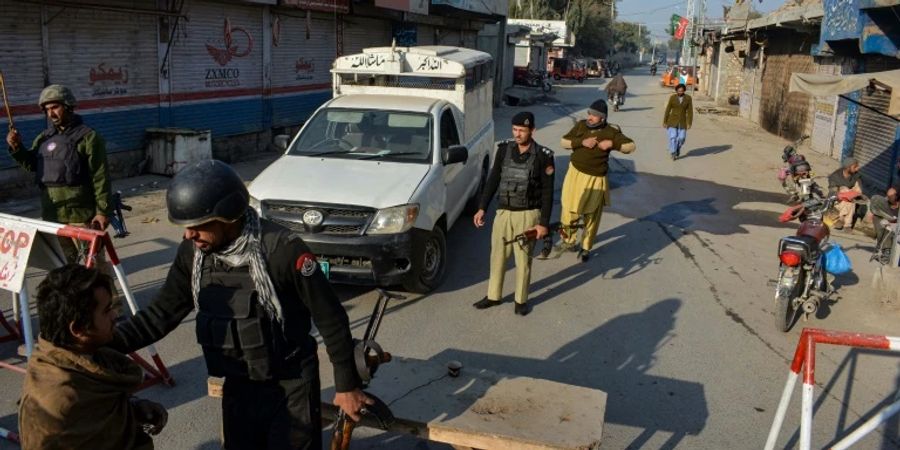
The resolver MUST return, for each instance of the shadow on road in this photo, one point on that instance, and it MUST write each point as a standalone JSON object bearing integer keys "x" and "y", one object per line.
{"x": 704, "y": 151}
{"x": 617, "y": 357}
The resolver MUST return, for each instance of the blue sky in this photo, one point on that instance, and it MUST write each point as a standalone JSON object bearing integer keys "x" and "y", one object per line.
{"x": 656, "y": 13}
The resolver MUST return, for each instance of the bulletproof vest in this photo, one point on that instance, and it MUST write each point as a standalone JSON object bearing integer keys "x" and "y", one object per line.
{"x": 516, "y": 179}
{"x": 237, "y": 336}
{"x": 59, "y": 163}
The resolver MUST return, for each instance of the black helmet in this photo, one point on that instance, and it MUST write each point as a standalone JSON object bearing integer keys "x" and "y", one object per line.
{"x": 206, "y": 191}
{"x": 788, "y": 152}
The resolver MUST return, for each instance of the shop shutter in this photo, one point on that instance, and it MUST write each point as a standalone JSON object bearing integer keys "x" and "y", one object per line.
{"x": 109, "y": 61}
{"x": 21, "y": 62}
{"x": 875, "y": 143}
{"x": 426, "y": 35}
{"x": 216, "y": 81}
{"x": 365, "y": 32}
{"x": 301, "y": 61}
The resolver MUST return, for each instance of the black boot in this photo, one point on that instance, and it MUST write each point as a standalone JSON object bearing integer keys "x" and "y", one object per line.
{"x": 522, "y": 309}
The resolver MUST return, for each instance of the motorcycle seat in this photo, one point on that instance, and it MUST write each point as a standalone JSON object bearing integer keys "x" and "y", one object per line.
{"x": 811, "y": 243}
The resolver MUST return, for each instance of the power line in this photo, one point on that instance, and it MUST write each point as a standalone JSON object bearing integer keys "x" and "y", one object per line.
{"x": 654, "y": 10}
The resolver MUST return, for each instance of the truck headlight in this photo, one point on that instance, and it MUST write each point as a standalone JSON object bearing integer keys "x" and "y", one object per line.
{"x": 256, "y": 204}
{"x": 394, "y": 220}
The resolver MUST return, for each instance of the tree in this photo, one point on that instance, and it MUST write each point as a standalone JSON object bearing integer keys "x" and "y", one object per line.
{"x": 588, "y": 20}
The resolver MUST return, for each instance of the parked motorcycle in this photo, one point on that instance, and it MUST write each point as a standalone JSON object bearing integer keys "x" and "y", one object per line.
{"x": 802, "y": 280}
{"x": 795, "y": 167}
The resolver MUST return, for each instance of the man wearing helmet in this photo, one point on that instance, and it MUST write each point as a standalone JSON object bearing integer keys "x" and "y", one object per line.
{"x": 69, "y": 161}
{"x": 256, "y": 288}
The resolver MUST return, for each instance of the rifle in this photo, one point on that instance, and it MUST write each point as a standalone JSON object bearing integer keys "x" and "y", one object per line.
{"x": 9, "y": 115}
{"x": 368, "y": 355}
{"x": 556, "y": 227}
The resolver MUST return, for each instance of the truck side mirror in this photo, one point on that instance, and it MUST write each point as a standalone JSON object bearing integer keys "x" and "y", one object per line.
{"x": 455, "y": 154}
{"x": 282, "y": 141}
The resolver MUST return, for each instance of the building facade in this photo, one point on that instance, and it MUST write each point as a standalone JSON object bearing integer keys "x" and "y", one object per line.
{"x": 243, "y": 69}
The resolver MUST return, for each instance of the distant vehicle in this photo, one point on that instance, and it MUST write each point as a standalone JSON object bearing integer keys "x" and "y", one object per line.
{"x": 383, "y": 170}
{"x": 568, "y": 68}
{"x": 595, "y": 68}
{"x": 679, "y": 75}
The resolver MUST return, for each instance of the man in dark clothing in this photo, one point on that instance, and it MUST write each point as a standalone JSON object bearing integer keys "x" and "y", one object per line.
{"x": 843, "y": 180}
{"x": 585, "y": 190}
{"x": 884, "y": 210}
{"x": 255, "y": 286}
{"x": 523, "y": 174}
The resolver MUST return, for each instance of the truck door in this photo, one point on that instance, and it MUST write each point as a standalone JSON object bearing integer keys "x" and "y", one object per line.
{"x": 454, "y": 174}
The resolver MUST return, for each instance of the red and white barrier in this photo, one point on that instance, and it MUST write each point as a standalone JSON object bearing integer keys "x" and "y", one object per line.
{"x": 97, "y": 241}
{"x": 805, "y": 359}
{"x": 9, "y": 435}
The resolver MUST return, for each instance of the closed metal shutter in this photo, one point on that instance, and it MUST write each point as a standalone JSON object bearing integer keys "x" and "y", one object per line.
{"x": 217, "y": 69}
{"x": 365, "y": 32}
{"x": 426, "y": 35}
{"x": 109, "y": 60}
{"x": 21, "y": 62}
{"x": 470, "y": 39}
{"x": 875, "y": 143}
{"x": 449, "y": 37}
{"x": 301, "y": 61}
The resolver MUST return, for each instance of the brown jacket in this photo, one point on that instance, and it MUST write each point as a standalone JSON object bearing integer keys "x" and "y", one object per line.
{"x": 75, "y": 401}
{"x": 679, "y": 114}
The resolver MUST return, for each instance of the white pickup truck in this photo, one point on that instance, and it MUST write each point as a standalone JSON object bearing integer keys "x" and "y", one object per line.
{"x": 378, "y": 175}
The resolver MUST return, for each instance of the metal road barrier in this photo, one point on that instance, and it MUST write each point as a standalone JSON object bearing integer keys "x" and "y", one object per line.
{"x": 41, "y": 237}
{"x": 805, "y": 359}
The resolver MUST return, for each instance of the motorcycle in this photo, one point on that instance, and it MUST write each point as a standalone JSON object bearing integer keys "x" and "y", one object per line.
{"x": 616, "y": 99}
{"x": 802, "y": 284}
{"x": 794, "y": 167}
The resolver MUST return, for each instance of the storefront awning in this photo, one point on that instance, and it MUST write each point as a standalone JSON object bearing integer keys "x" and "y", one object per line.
{"x": 826, "y": 85}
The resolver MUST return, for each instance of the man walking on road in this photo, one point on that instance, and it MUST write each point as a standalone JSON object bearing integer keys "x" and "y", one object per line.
{"x": 69, "y": 160}
{"x": 585, "y": 190}
{"x": 256, "y": 287}
{"x": 677, "y": 119}
{"x": 523, "y": 173}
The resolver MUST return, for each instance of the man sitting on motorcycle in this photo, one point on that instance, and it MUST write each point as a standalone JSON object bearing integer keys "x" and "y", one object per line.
{"x": 845, "y": 180}
{"x": 616, "y": 86}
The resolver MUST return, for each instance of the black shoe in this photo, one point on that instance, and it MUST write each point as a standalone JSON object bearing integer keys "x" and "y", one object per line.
{"x": 584, "y": 255}
{"x": 674, "y": 156}
{"x": 485, "y": 303}
{"x": 522, "y": 309}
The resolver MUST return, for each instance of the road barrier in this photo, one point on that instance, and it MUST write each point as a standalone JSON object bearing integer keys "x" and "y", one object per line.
{"x": 27, "y": 243}
{"x": 805, "y": 359}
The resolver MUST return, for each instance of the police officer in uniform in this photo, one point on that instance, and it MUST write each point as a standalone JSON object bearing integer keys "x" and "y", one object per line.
{"x": 585, "y": 190}
{"x": 255, "y": 287}
{"x": 69, "y": 161}
{"x": 522, "y": 178}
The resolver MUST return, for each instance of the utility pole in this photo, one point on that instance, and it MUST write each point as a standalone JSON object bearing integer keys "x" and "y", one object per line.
{"x": 641, "y": 44}
{"x": 688, "y": 35}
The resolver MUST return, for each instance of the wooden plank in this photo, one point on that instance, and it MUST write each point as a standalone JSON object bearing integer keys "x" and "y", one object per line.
{"x": 479, "y": 409}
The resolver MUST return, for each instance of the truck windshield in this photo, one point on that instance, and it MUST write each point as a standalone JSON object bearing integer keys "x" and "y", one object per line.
{"x": 366, "y": 134}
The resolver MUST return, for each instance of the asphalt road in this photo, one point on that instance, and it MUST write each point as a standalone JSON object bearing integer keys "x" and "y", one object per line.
{"x": 672, "y": 316}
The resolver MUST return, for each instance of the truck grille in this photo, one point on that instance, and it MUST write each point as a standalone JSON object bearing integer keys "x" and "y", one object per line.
{"x": 338, "y": 220}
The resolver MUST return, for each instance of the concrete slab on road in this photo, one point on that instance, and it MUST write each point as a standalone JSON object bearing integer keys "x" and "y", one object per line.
{"x": 672, "y": 316}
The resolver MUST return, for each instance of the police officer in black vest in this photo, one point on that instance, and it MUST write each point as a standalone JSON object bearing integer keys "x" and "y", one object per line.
{"x": 255, "y": 287}
{"x": 522, "y": 178}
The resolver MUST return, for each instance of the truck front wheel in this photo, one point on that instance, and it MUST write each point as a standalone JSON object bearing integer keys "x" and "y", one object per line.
{"x": 429, "y": 263}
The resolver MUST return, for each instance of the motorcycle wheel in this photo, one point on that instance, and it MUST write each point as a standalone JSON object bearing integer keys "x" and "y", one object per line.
{"x": 786, "y": 313}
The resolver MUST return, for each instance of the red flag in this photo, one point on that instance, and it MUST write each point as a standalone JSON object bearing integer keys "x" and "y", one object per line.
{"x": 682, "y": 27}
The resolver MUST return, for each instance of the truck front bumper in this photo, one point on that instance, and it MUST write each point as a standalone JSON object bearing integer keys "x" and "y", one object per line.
{"x": 381, "y": 260}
